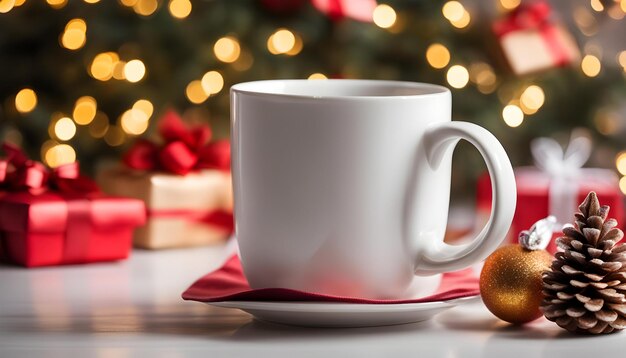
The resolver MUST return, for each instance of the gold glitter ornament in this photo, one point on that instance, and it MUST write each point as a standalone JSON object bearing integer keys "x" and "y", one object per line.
{"x": 511, "y": 278}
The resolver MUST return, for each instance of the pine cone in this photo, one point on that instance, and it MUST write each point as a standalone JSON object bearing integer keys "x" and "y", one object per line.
{"x": 585, "y": 290}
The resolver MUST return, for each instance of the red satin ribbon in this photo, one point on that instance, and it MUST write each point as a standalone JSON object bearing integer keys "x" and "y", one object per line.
{"x": 185, "y": 149}
{"x": 535, "y": 16}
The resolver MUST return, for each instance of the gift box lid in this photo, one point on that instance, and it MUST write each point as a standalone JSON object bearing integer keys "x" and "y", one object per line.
{"x": 50, "y": 212}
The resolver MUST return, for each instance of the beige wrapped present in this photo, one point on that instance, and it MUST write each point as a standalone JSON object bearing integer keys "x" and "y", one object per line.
{"x": 190, "y": 210}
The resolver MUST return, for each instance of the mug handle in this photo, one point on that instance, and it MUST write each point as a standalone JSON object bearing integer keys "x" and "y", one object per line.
{"x": 436, "y": 257}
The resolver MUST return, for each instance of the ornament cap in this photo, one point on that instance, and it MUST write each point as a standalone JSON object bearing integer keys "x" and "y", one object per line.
{"x": 539, "y": 235}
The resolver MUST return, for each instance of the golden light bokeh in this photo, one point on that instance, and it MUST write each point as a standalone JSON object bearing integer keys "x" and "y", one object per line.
{"x": 180, "y": 9}
{"x": 129, "y": 3}
{"x": 134, "y": 122}
{"x": 25, "y": 100}
{"x": 622, "y": 185}
{"x": 118, "y": 70}
{"x": 99, "y": 126}
{"x": 75, "y": 34}
{"x": 384, "y": 16}
{"x": 483, "y": 76}
{"x": 621, "y": 59}
{"x": 281, "y": 41}
{"x": 91, "y": 1}
{"x": 57, "y": 4}
{"x": 532, "y": 99}
{"x": 6, "y": 6}
{"x": 212, "y": 82}
{"x": 144, "y": 106}
{"x": 512, "y": 115}
{"x": 437, "y": 55}
{"x": 102, "y": 66}
{"x": 134, "y": 70}
{"x": 297, "y": 46}
{"x": 195, "y": 93}
{"x": 114, "y": 136}
{"x": 317, "y": 76}
{"x": 591, "y": 65}
{"x": 64, "y": 129}
{"x": 145, "y": 7}
{"x": 606, "y": 122}
{"x": 510, "y": 4}
{"x": 227, "y": 49}
{"x": 622, "y": 6}
{"x": 59, "y": 154}
{"x": 463, "y": 21}
{"x": 620, "y": 163}
{"x": 85, "y": 110}
{"x": 457, "y": 76}
{"x": 597, "y": 5}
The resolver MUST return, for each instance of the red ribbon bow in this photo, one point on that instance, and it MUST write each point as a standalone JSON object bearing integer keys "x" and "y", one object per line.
{"x": 17, "y": 172}
{"x": 531, "y": 16}
{"x": 185, "y": 149}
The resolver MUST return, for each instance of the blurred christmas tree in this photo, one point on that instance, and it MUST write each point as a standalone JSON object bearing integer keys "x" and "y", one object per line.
{"x": 81, "y": 78}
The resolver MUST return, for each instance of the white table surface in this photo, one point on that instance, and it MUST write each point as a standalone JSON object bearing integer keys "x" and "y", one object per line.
{"x": 133, "y": 308}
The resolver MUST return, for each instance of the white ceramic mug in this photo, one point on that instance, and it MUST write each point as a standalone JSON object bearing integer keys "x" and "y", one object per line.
{"x": 342, "y": 186}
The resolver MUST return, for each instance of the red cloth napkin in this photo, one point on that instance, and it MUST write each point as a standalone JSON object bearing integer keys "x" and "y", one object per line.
{"x": 229, "y": 284}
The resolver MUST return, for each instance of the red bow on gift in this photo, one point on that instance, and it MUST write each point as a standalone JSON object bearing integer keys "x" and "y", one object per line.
{"x": 185, "y": 149}
{"x": 529, "y": 16}
{"x": 17, "y": 172}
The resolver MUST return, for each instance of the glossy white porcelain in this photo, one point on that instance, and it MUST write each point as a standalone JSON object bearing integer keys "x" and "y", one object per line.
{"x": 324, "y": 314}
{"x": 342, "y": 186}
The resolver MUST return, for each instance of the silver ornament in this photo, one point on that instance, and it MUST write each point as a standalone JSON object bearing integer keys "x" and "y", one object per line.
{"x": 539, "y": 235}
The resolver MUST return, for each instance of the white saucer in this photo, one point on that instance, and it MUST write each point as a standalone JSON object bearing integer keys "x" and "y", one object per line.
{"x": 329, "y": 314}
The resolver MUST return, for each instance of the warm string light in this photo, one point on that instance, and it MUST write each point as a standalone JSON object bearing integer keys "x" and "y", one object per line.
{"x": 102, "y": 66}
{"x": 620, "y": 163}
{"x": 75, "y": 34}
{"x": 64, "y": 129}
{"x": 384, "y": 16}
{"x": 622, "y": 185}
{"x": 25, "y": 100}
{"x": 317, "y": 76}
{"x": 59, "y": 154}
{"x": 590, "y": 65}
{"x": 512, "y": 115}
{"x": 57, "y": 4}
{"x": 134, "y": 70}
{"x": 532, "y": 99}
{"x": 457, "y": 76}
{"x": 195, "y": 93}
{"x": 6, "y": 6}
{"x": 597, "y": 5}
{"x": 212, "y": 82}
{"x": 509, "y": 4}
{"x": 456, "y": 13}
{"x": 227, "y": 49}
{"x": 91, "y": 1}
{"x": 180, "y": 9}
{"x": 85, "y": 110}
{"x": 135, "y": 121}
{"x": 437, "y": 56}
{"x": 145, "y": 7}
{"x": 283, "y": 41}
{"x": 621, "y": 59}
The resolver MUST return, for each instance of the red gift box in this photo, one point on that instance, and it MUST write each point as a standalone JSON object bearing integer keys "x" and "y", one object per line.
{"x": 555, "y": 187}
{"x": 54, "y": 217}
{"x": 531, "y": 41}
{"x": 55, "y": 229}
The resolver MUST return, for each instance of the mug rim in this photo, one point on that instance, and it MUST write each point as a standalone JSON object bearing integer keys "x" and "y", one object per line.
{"x": 259, "y": 88}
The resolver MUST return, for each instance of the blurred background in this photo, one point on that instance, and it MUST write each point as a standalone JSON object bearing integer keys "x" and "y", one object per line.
{"x": 81, "y": 79}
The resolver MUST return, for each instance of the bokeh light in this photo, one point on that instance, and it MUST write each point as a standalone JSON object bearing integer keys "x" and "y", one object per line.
{"x": 64, "y": 129}
{"x": 25, "y": 100}
{"x": 102, "y": 66}
{"x": 532, "y": 99}
{"x": 512, "y": 115}
{"x": 134, "y": 70}
{"x": 591, "y": 65}
{"x": 384, "y": 16}
{"x": 180, "y": 9}
{"x": 455, "y": 12}
{"x": 85, "y": 110}
{"x": 437, "y": 55}
{"x": 281, "y": 41}
{"x": 483, "y": 76}
{"x": 59, "y": 154}
{"x": 6, "y": 6}
{"x": 620, "y": 163}
{"x": 75, "y": 34}
{"x": 510, "y": 4}
{"x": 57, "y": 4}
{"x": 195, "y": 93}
{"x": 145, "y": 7}
{"x": 134, "y": 122}
{"x": 622, "y": 185}
{"x": 597, "y": 5}
{"x": 212, "y": 82}
{"x": 227, "y": 49}
{"x": 144, "y": 106}
{"x": 621, "y": 59}
{"x": 457, "y": 76}
{"x": 317, "y": 76}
